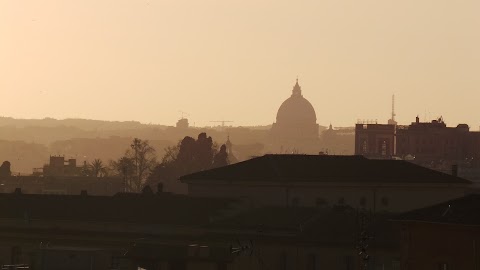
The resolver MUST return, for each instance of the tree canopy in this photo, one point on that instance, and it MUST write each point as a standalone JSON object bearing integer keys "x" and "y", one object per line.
{"x": 188, "y": 156}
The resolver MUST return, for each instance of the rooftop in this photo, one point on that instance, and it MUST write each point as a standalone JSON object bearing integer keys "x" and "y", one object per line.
{"x": 165, "y": 209}
{"x": 462, "y": 211}
{"x": 324, "y": 168}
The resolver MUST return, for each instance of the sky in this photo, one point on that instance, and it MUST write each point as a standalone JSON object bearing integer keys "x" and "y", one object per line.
{"x": 148, "y": 60}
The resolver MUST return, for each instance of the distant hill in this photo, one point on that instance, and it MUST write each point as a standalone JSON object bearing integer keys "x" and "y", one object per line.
{"x": 84, "y": 124}
{"x": 28, "y": 143}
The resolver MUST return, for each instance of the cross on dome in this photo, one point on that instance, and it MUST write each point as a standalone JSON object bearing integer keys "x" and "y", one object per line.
{"x": 297, "y": 90}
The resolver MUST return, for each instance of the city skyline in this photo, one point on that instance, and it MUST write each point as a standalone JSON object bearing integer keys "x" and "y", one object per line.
{"x": 147, "y": 61}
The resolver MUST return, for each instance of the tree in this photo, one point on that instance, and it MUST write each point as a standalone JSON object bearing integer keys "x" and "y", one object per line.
{"x": 97, "y": 168}
{"x": 137, "y": 163}
{"x": 85, "y": 170}
{"x": 144, "y": 159}
{"x": 5, "y": 169}
{"x": 221, "y": 158}
{"x": 188, "y": 156}
{"x": 125, "y": 168}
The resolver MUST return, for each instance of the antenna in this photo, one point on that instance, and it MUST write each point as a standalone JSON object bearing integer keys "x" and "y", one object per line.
{"x": 393, "y": 107}
{"x": 222, "y": 121}
{"x": 183, "y": 114}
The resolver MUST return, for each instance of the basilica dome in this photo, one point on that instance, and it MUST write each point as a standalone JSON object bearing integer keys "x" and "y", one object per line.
{"x": 296, "y": 109}
{"x": 296, "y": 128}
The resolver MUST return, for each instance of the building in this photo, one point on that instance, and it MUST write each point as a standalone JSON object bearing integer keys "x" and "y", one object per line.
{"x": 436, "y": 142}
{"x": 430, "y": 144}
{"x": 125, "y": 231}
{"x": 58, "y": 166}
{"x": 443, "y": 236}
{"x": 296, "y": 129}
{"x": 175, "y": 232}
{"x": 182, "y": 123}
{"x": 375, "y": 140}
{"x": 231, "y": 156}
{"x": 338, "y": 140}
{"x": 323, "y": 180}
{"x": 67, "y": 185}
{"x": 307, "y": 238}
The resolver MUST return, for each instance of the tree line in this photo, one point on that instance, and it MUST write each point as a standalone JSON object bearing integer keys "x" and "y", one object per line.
{"x": 139, "y": 166}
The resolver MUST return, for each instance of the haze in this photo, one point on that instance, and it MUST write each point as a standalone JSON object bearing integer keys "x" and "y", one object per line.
{"x": 238, "y": 60}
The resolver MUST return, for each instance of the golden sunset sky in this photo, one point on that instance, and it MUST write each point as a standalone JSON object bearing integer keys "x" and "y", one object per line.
{"x": 146, "y": 60}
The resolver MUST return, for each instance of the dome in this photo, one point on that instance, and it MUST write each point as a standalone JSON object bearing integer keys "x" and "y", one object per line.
{"x": 296, "y": 109}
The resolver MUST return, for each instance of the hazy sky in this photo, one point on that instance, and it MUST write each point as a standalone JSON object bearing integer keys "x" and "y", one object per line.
{"x": 146, "y": 60}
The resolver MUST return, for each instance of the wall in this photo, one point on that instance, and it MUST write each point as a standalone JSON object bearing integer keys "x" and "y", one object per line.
{"x": 394, "y": 198}
{"x": 428, "y": 245}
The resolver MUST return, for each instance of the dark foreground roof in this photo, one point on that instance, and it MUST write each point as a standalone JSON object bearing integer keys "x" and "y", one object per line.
{"x": 324, "y": 168}
{"x": 164, "y": 208}
{"x": 318, "y": 225}
{"x": 463, "y": 211}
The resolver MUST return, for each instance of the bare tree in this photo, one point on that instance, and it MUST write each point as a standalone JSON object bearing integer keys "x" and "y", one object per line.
{"x": 125, "y": 168}
{"x": 144, "y": 160}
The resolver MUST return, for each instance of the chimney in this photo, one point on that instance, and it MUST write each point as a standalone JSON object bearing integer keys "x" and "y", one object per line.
{"x": 147, "y": 190}
{"x": 417, "y": 119}
{"x": 160, "y": 188}
{"x": 455, "y": 170}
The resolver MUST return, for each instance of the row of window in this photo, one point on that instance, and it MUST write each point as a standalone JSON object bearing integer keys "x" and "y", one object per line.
{"x": 320, "y": 202}
{"x": 346, "y": 262}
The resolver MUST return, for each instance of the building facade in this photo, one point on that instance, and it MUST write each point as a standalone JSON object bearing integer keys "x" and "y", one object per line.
{"x": 323, "y": 180}
{"x": 444, "y": 236}
{"x": 375, "y": 140}
{"x": 431, "y": 144}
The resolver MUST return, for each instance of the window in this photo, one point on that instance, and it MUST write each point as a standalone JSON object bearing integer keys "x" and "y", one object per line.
{"x": 349, "y": 262}
{"x": 311, "y": 262}
{"x": 384, "y": 148}
{"x": 443, "y": 266}
{"x": 222, "y": 266}
{"x": 396, "y": 265}
{"x": 16, "y": 255}
{"x": 295, "y": 202}
{"x": 384, "y": 201}
{"x": 364, "y": 146}
{"x": 320, "y": 202}
{"x": 363, "y": 201}
{"x": 283, "y": 261}
{"x": 115, "y": 262}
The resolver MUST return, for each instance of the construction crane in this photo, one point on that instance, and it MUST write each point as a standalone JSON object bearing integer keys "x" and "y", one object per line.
{"x": 223, "y": 122}
{"x": 183, "y": 114}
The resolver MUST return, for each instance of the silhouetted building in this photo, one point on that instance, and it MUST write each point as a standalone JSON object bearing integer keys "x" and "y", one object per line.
{"x": 67, "y": 185}
{"x": 231, "y": 157}
{"x": 58, "y": 166}
{"x": 306, "y": 238}
{"x": 375, "y": 140}
{"x": 296, "y": 128}
{"x": 126, "y": 231}
{"x": 182, "y": 123}
{"x": 323, "y": 180}
{"x": 5, "y": 169}
{"x": 338, "y": 141}
{"x": 431, "y": 144}
{"x": 434, "y": 141}
{"x": 443, "y": 236}
{"x": 174, "y": 232}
